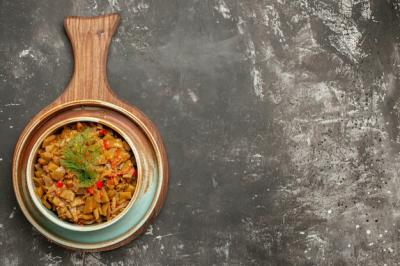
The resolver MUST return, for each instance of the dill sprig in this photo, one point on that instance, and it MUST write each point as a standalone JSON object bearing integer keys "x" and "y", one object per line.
{"x": 81, "y": 155}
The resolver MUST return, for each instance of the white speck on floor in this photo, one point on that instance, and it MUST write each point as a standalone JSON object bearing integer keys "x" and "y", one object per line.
{"x": 176, "y": 98}
{"x": 140, "y": 7}
{"x": 34, "y": 54}
{"x": 162, "y": 248}
{"x": 114, "y": 5}
{"x": 95, "y": 5}
{"x": 25, "y": 52}
{"x": 223, "y": 9}
{"x": 51, "y": 260}
{"x": 149, "y": 230}
{"x": 193, "y": 96}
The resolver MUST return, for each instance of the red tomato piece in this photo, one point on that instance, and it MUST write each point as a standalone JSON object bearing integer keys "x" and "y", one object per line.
{"x": 99, "y": 184}
{"x": 59, "y": 184}
{"x": 102, "y": 132}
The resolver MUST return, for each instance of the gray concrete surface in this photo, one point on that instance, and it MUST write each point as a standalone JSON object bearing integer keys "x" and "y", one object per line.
{"x": 281, "y": 121}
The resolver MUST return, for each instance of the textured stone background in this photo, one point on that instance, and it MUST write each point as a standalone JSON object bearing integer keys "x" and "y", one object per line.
{"x": 280, "y": 117}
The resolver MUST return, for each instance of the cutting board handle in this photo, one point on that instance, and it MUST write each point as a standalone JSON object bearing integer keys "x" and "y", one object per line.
{"x": 90, "y": 38}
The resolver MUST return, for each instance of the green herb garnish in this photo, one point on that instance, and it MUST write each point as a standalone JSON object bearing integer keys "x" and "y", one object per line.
{"x": 81, "y": 156}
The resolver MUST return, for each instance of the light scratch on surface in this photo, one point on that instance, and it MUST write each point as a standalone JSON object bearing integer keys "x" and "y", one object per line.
{"x": 161, "y": 237}
{"x": 254, "y": 72}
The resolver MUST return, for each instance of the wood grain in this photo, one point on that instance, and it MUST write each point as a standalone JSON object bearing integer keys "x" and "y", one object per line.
{"x": 89, "y": 88}
{"x": 90, "y": 39}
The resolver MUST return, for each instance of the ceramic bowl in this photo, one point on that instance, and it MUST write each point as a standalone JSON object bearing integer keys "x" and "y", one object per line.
{"x": 50, "y": 214}
{"x": 150, "y": 157}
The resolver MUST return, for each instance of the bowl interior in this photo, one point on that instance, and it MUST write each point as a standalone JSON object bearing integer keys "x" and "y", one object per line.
{"x": 50, "y": 214}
